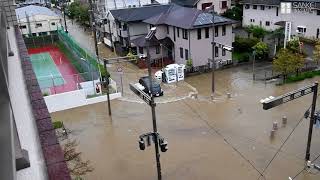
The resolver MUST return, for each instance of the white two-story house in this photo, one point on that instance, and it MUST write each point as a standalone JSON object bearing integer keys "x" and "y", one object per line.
{"x": 182, "y": 34}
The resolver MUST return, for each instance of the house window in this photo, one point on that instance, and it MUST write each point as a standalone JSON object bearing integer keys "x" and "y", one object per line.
{"x": 277, "y": 12}
{"x": 23, "y": 27}
{"x": 301, "y": 29}
{"x": 206, "y": 32}
{"x": 270, "y": 7}
{"x": 262, "y": 7}
{"x": 205, "y": 5}
{"x": 34, "y": 34}
{"x": 157, "y": 49}
{"x": 252, "y": 20}
{"x": 168, "y": 30}
{"x": 184, "y": 34}
{"x": 140, "y": 50}
{"x": 247, "y": 6}
{"x": 53, "y": 23}
{"x": 223, "y": 30}
{"x": 124, "y": 27}
{"x": 216, "y": 31}
{"x": 254, "y": 7}
{"x": 223, "y": 52}
{"x": 181, "y": 53}
{"x": 186, "y": 54}
{"x": 119, "y": 25}
{"x": 267, "y": 23}
{"x": 151, "y": 26}
{"x": 38, "y": 25}
{"x": 216, "y": 51}
{"x": 178, "y": 32}
{"x": 318, "y": 12}
{"x": 224, "y": 5}
{"x": 199, "y": 33}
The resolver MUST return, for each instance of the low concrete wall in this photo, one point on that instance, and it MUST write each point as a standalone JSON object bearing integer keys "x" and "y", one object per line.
{"x": 72, "y": 99}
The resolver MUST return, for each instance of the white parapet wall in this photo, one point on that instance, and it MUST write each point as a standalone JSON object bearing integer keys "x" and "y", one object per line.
{"x": 72, "y": 99}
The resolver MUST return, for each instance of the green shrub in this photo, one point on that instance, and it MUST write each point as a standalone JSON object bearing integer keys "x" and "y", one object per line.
{"x": 244, "y": 44}
{"x": 57, "y": 124}
{"x": 45, "y": 94}
{"x": 302, "y": 76}
{"x": 241, "y": 57}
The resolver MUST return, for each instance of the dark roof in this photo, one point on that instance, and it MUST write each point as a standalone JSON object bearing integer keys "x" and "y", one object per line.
{"x": 266, "y": 2}
{"x": 186, "y": 18}
{"x": 139, "y": 13}
{"x": 186, "y": 3}
{"x": 141, "y": 41}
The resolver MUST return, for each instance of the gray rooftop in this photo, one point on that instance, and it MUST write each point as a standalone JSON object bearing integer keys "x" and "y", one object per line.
{"x": 34, "y": 10}
{"x": 138, "y": 13}
{"x": 187, "y": 18}
{"x": 187, "y": 3}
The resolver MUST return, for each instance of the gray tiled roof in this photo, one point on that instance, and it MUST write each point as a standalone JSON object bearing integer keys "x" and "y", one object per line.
{"x": 266, "y": 2}
{"x": 186, "y": 18}
{"x": 187, "y": 3}
{"x": 139, "y": 13}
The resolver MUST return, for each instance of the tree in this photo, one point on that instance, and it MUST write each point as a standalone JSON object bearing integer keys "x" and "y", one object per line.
{"x": 261, "y": 50}
{"x": 294, "y": 45}
{"x": 76, "y": 165}
{"x": 234, "y": 13}
{"x": 287, "y": 62}
{"x": 256, "y": 31}
{"x": 277, "y": 35}
{"x": 316, "y": 52}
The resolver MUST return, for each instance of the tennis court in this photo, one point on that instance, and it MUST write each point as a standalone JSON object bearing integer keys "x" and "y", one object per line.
{"x": 46, "y": 71}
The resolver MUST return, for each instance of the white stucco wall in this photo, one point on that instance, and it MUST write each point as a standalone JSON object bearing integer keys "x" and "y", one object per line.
{"x": 137, "y": 29}
{"x": 201, "y": 49}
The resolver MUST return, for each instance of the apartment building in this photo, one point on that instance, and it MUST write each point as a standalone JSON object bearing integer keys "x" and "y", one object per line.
{"x": 29, "y": 145}
{"x": 220, "y": 6}
{"x": 303, "y": 16}
{"x": 182, "y": 33}
{"x": 37, "y": 20}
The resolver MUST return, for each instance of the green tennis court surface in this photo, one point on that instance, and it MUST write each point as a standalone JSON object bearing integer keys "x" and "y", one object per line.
{"x": 46, "y": 70}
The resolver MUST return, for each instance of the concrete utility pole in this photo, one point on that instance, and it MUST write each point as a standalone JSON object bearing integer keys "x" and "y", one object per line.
{"x": 211, "y": 8}
{"x": 93, "y": 26}
{"x": 64, "y": 16}
{"x": 253, "y": 70}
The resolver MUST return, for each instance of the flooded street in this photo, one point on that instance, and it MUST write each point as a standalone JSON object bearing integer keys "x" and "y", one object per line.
{"x": 223, "y": 139}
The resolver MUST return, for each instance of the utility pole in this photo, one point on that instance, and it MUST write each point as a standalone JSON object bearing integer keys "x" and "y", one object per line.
{"x": 253, "y": 70}
{"x": 211, "y": 8}
{"x": 64, "y": 16}
{"x": 93, "y": 27}
{"x": 313, "y": 107}
{"x": 154, "y": 121}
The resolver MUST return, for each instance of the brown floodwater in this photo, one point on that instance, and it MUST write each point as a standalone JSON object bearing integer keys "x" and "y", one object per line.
{"x": 221, "y": 139}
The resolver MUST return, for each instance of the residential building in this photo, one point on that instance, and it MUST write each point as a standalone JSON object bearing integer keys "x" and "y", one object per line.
{"x": 272, "y": 14}
{"x": 182, "y": 33}
{"x": 220, "y": 6}
{"x": 29, "y": 145}
{"x": 36, "y": 20}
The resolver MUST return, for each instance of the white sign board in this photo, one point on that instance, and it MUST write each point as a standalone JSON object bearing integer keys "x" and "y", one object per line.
{"x": 287, "y": 33}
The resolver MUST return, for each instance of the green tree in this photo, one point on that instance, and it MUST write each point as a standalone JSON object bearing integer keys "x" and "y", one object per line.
{"x": 316, "y": 52}
{"x": 256, "y": 31}
{"x": 261, "y": 50}
{"x": 294, "y": 46}
{"x": 287, "y": 62}
{"x": 234, "y": 13}
{"x": 277, "y": 35}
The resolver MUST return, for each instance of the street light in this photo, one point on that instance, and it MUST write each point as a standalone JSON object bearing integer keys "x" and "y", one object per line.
{"x": 154, "y": 122}
{"x": 271, "y": 102}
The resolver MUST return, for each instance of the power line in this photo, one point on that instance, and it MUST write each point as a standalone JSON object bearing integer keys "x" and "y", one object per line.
{"x": 224, "y": 139}
{"x": 274, "y": 156}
